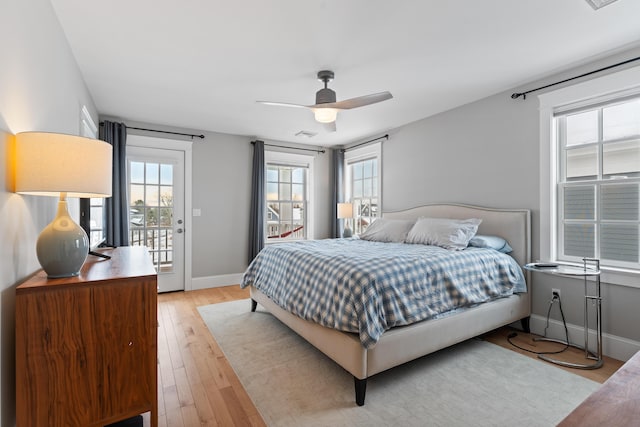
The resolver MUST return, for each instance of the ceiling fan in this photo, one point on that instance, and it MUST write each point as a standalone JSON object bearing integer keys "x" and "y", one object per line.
{"x": 326, "y": 108}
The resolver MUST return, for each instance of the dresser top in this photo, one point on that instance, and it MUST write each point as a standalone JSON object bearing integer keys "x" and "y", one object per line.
{"x": 126, "y": 262}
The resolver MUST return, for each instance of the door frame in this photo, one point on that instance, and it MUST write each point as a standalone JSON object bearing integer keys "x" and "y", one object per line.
{"x": 186, "y": 147}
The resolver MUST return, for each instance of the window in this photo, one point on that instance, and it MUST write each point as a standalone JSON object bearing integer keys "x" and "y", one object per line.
{"x": 92, "y": 210}
{"x": 363, "y": 178}
{"x": 599, "y": 183}
{"x": 97, "y": 221}
{"x": 288, "y": 184}
{"x": 590, "y": 174}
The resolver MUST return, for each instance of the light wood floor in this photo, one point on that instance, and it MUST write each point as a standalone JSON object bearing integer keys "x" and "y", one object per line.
{"x": 197, "y": 387}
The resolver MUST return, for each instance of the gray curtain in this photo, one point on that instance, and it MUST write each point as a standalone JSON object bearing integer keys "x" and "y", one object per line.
{"x": 116, "y": 206}
{"x": 257, "y": 212}
{"x": 337, "y": 192}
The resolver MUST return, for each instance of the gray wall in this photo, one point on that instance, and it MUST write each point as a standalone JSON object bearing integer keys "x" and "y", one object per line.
{"x": 222, "y": 190}
{"x": 41, "y": 89}
{"x": 487, "y": 153}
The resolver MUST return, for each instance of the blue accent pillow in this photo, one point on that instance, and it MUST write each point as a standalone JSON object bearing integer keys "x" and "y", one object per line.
{"x": 491, "y": 242}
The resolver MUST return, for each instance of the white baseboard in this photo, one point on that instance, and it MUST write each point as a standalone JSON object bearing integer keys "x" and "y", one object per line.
{"x": 215, "y": 281}
{"x": 613, "y": 346}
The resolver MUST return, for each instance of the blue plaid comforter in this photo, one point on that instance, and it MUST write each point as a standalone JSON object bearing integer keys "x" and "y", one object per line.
{"x": 368, "y": 287}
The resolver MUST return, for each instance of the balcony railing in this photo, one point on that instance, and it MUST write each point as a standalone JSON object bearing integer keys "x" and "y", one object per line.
{"x": 158, "y": 241}
{"x": 285, "y": 231}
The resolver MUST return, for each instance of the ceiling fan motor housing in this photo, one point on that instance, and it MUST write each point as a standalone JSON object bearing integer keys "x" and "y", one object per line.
{"x": 324, "y": 96}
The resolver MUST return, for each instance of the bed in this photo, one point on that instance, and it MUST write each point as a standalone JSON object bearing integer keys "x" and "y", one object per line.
{"x": 401, "y": 344}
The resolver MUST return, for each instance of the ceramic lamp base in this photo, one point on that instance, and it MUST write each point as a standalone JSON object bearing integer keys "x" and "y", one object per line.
{"x": 62, "y": 246}
{"x": 347, "y": 232}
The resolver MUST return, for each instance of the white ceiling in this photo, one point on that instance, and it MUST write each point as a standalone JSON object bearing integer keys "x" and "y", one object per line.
{"x": 203, "y": 64}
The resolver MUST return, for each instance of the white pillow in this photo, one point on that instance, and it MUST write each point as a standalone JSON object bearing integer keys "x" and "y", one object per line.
{"x": 447, "y": 233}
{"x": 387, "y": 230}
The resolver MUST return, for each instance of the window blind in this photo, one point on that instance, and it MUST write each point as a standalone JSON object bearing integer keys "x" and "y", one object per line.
{"x": 620, "y": 202}
{"x": 579, "y": 202}
{"x": 579, "y": 240}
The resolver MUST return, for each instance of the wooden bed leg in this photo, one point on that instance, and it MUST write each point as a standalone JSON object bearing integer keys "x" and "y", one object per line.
{"x": 361, "y": 389}
{"x": 254, "y": 305}
{"x": 525, "y": 324}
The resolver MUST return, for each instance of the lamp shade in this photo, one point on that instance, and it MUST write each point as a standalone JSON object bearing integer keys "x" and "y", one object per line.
{"x": 53, "y": 164}
{"x": 48, "y": 164}
{"x": 345, "y": 210}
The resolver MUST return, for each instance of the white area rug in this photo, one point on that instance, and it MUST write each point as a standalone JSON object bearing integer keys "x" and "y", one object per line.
{"x": 475, "y": 383}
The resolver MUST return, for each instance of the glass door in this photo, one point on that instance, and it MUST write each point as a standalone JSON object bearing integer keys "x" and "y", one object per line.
{"x": 156, "y": 210}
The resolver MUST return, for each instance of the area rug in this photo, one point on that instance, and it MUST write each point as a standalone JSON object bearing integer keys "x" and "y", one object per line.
{"x": 474, "y": 383}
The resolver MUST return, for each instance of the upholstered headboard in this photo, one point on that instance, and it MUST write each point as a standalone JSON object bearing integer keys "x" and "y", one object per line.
{"x": 513, "y": 225}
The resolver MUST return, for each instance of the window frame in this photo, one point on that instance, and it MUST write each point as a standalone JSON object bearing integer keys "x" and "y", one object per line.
{"x": 351, "y": 156}
{"x": 597, "y": 183}
{"x": 279, "y": 158}
{"x": 614, "y": 86}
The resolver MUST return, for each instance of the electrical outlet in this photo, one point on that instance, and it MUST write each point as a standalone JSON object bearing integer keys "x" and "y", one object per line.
{"x": 555, "y": 292}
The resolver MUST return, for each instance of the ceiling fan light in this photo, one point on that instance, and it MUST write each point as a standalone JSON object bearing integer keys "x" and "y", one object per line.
{"x": 325, "y": 115}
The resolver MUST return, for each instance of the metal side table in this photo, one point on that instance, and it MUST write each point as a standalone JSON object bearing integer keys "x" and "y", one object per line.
{"x": 590, "y": 268}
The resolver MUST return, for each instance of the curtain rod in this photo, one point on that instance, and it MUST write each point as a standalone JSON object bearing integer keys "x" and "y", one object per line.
{"x": 162, "y": 131}
{"x": 517, "y": 95}
{"x": 290, "y": 148}
{"x": 344, "y": 150}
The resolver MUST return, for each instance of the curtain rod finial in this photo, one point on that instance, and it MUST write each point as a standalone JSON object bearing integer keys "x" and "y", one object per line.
{"x": 518, "y": 95}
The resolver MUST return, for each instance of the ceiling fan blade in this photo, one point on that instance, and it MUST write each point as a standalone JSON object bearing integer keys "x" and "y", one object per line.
{"x": 326, "y": 107}
{"x": 361, "y": 101}
{"x": 281, "y": 104}
{"x": 330, "y": 127}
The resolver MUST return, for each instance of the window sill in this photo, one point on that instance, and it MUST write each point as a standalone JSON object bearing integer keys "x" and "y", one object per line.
{"x": 622, "y": 277}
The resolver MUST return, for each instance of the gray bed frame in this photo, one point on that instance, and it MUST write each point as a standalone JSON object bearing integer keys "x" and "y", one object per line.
{"x": 402, "y": 344}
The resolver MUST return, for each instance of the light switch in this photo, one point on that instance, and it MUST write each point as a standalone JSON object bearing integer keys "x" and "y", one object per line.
{"x": 197, "y": 212}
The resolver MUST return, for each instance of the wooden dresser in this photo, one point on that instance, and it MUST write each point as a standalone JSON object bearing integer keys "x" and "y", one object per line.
{"x": 615, "y": 404}
{"x": 86, "y": 346}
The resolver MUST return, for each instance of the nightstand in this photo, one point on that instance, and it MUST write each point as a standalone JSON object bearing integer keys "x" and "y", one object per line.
{"x": 590, "y": 268}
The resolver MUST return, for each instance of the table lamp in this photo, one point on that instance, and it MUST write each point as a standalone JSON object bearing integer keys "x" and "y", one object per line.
{"x": 52, "y": 164}
{"x": 345, "y": 211}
